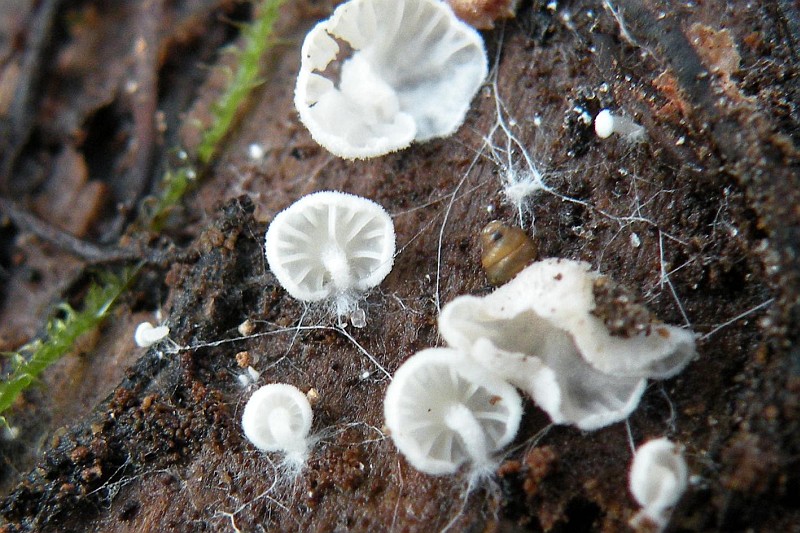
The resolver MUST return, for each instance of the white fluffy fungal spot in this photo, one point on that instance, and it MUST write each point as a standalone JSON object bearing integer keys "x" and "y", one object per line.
{"x": 277, "y": 418}
{"x": 331, "y": 246}
{"x": 658, "y": 478}
{"x": 444, "y": 410}
{"x": 538, "y": 332}
{"x": 412, "y": 73}
{"x": 147, "y": 335}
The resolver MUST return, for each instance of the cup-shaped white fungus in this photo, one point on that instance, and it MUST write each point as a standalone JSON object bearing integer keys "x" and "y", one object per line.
{"x": 409, "y": 74}
{"x": 657, "y": 480}
{"x": 277, "y": 418}
{"x": 543, "y": 361}
{"x": 331, "y": 246}
{"x": 538, "y": 331}
{"x": 444, "y": 410}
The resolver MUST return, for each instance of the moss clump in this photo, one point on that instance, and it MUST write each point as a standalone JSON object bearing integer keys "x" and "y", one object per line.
{"x": 32, "y": 359}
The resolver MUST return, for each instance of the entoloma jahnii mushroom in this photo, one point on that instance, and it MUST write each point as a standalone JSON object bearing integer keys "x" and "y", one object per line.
{"x": 331, "y": 246}
{"x": 444, "y": 410}
{"x": 412, "y": 73}
{"x": 538, "y": 331}
{"x": 657, "y": 480}
{"x": 277, "y": 418}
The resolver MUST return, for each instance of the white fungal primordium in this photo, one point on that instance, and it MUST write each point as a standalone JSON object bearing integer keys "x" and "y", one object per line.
{"x": 411, "y": 70}
{"x": 147, "y": 335}
{"x": 539, "y": 333}
{"x": 444, "y": 410}
{"x": 277, "y": 418}
{"x": 606, "y": 123}
{"x": 331, "y": 246}
{"x": 657, "y": 479}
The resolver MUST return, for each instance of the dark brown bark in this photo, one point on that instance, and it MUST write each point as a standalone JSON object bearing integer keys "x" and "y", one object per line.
{"x": 701, "y": 221}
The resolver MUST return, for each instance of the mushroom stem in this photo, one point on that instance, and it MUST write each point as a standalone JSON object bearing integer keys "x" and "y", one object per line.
{"x": 460, "y": 419}
{"x": 280, "y": 424}
{"x": 334, "y": 259}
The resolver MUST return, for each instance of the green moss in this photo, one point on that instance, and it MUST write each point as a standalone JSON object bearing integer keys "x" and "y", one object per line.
{"x": 33, "y": 358}
{"x": 173, "y": 187}
{"x": 257, "y": 42}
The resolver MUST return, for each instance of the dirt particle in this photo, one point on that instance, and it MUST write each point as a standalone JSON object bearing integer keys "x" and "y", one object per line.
{"x": 620, "y": 310}
{"x": 539, "y": 463}
{"x": 243, "y": 359}
{"x": 79, "y": 454}
{"x": 92, "y": 473}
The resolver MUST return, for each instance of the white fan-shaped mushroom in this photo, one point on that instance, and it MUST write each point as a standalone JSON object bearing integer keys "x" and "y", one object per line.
{"x": 443, "y": 410}
{"x": 657, "y": 480}
{"x": 331, "y": 245}
{"x": 412, "y": 73}
{"x": 277, "y": 418}
{"x": 538, "y": 332}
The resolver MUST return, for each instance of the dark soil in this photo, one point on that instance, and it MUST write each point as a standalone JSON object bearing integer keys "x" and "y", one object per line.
{"x": 700, "y": 224}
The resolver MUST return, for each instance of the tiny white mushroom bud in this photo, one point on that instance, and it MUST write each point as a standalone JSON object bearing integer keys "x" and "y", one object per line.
{"x": 255, "y": 151}
{"x": 277, "y": 418}
{"x": 146, "y": 335}
{"x": 606, "y": 123}
{"x": 657, "y": 480}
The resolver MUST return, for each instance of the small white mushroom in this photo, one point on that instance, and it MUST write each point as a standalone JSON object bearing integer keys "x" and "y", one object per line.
{"x": 331, "y": 246}
{"x": 606, "y": 123}
{"x": 658, "y": 478}
{"x": 277, "y": 418}
{"x": 444, "y": 410}
{"x": 538, "y": 331}
{"x": 410, "y": 74}
{"x": 147, "y": 335}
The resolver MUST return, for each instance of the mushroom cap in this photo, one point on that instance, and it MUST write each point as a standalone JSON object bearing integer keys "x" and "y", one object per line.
{"x": 277, "y": 417}
{"x": 411, "y": 73}
{"x": 561, "y": 292}
{"x": 543, "y": 361}
{"x": 444, "y": 410}
{"x": 538, "y": 332}
{"x": 330, "y": 243}
{"x": 604, "y": 124}
{"x": 658, "y": 477}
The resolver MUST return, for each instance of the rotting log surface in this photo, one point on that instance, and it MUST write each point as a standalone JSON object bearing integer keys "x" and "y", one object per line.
{"x": 702, "y": 221}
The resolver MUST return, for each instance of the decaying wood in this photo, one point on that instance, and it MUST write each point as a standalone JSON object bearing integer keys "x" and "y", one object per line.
{"x": 701, "y": 222}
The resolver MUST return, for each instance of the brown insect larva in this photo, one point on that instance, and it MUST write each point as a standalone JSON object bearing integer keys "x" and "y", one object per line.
{"x": 505, "y": 251}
